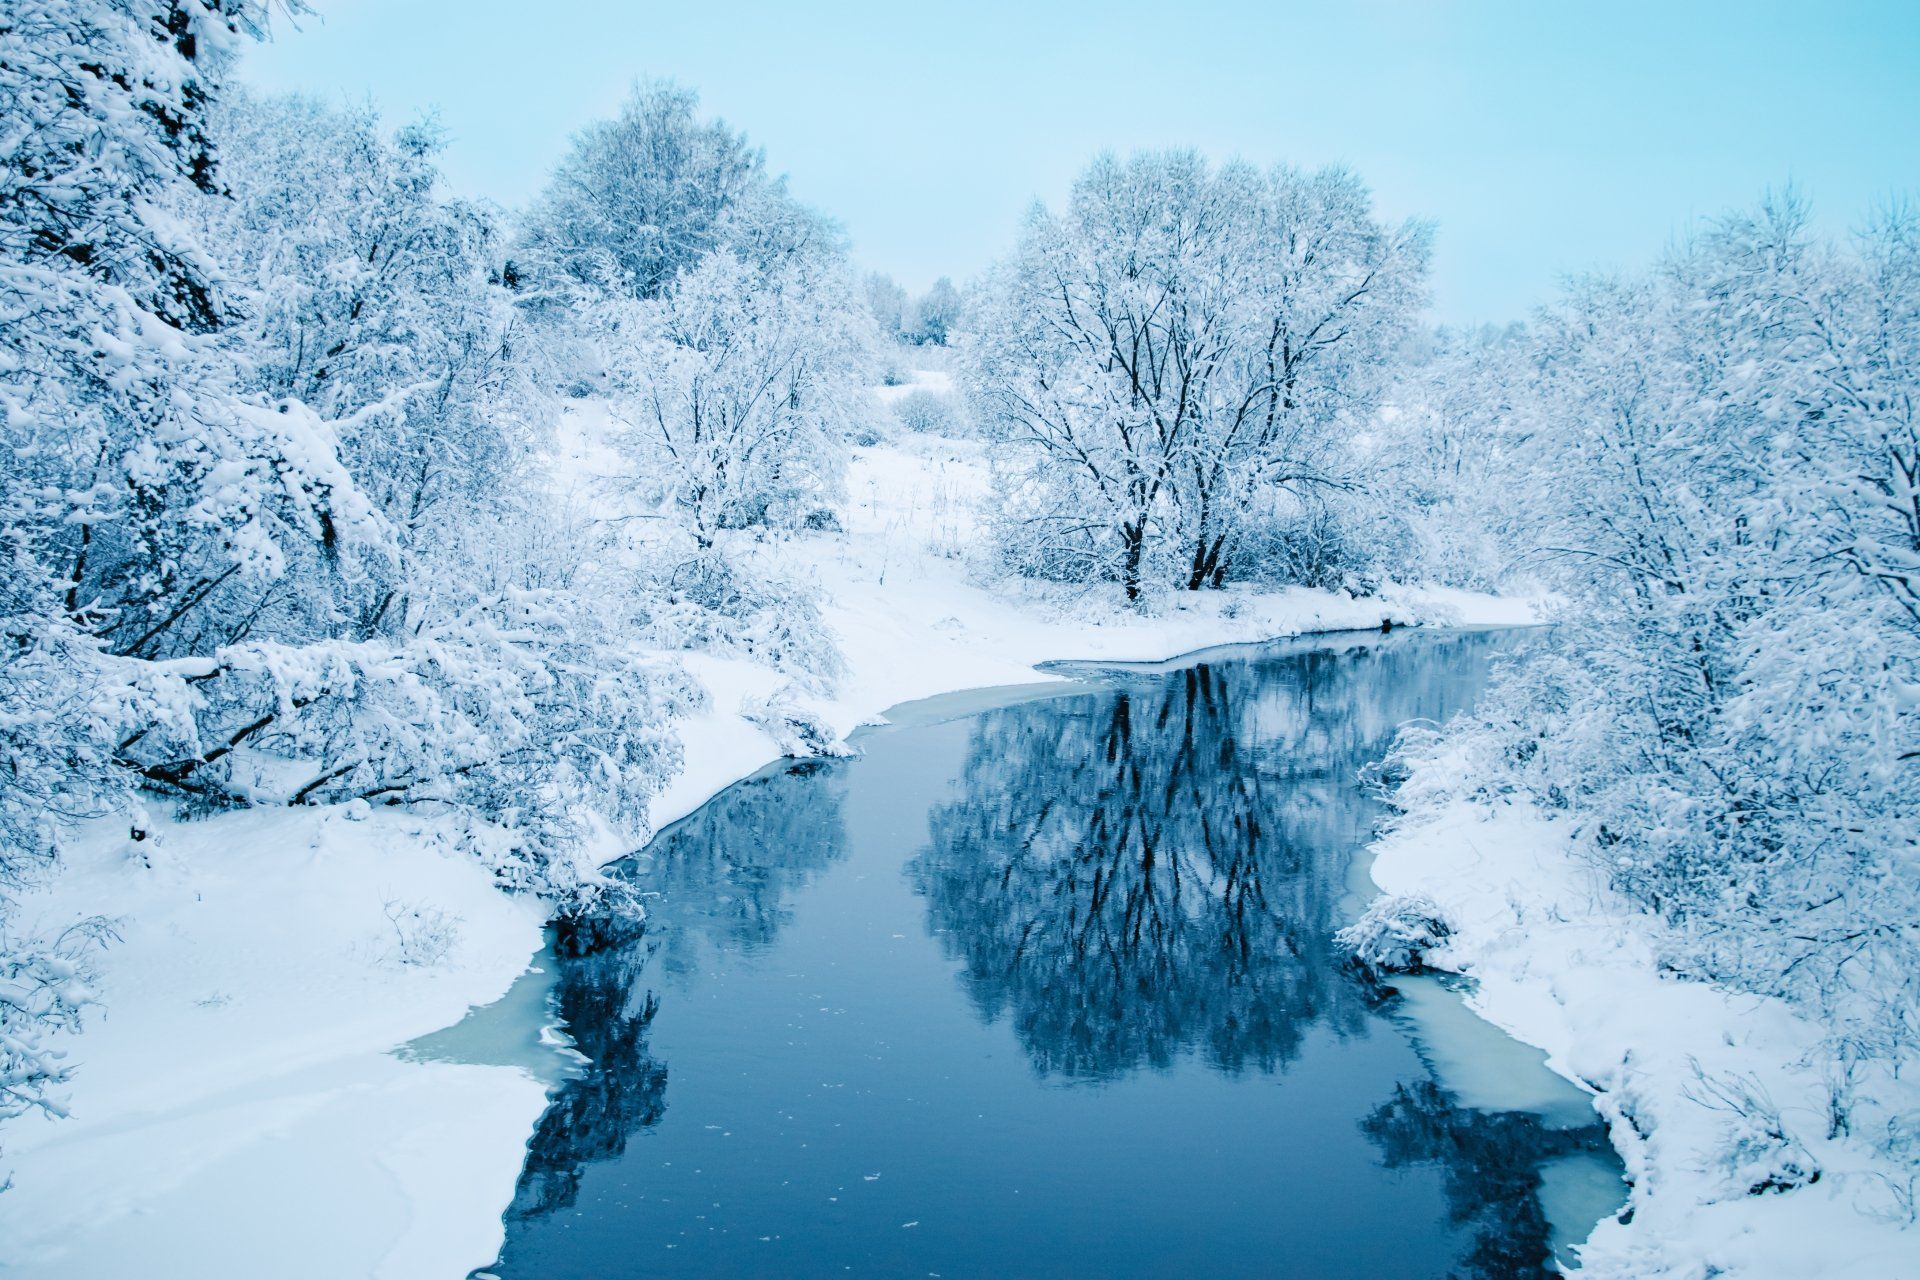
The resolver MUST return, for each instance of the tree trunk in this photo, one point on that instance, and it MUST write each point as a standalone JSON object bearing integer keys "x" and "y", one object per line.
{"x": 1209, "y": 565}
{"x": 1133, "y": 538}
{"x": 1197, "y": 576}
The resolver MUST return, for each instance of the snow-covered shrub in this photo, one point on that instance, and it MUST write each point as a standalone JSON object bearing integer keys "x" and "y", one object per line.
{"x": 1395, "y": 935}
{"x": 423, "y": 935}
{"x": 1760, "y": 1156}
{"x": 44, "y": 989}
{"x": 1337, "y": 542}
{"x": 722, "y": 605}
{"x": 1037, "y": 527}
{"x": 609, "y": 912}
{"x": 928, "y": 412}
{"x": 798, "y": 730}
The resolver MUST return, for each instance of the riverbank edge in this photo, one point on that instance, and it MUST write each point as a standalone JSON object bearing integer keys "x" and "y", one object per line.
{"x": 1704, "y": 1090}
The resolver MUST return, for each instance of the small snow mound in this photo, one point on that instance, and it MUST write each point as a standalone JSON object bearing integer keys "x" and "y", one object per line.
{"x": 1395, "y": 934}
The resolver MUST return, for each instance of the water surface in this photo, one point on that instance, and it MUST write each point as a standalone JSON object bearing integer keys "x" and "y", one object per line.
{"x": 1049, "y": 989}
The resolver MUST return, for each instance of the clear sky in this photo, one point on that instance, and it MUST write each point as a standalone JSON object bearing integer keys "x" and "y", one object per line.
{"x": 1542, "y": 137}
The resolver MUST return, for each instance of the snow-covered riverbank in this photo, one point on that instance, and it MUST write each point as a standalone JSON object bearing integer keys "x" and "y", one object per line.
{"x": 238, "y": 1110}
{"x": 1718, "y": 1101}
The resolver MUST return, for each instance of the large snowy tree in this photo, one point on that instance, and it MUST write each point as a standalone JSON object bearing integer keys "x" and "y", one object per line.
{"x": 1182, "y": 357}
{"x": 644, "y": 195}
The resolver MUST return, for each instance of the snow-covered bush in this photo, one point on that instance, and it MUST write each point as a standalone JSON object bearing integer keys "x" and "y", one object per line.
{"x": 44, "y": 989}
{"x": 928, "y": 412}
{"x": 1395, "y": 935}
{"x": 727, "y": 605}
{"x": 798, "y": 730}
{"x": 423, "y": 935}
{"x": 610, "y": 914}
{"x": 1340, "y": 541}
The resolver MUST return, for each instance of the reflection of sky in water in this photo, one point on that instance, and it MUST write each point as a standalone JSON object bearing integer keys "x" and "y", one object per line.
{"x": 1051, "y": 990}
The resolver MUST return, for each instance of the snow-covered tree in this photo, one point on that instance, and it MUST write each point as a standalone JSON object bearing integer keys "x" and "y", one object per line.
{"x": 931, "y": 318}
{"x": 1329, "y": 292}
{"x": 1181, "y": 356}
{"x": 736, "y": 387}
{"x": 1448, "y": 447}
{"x": 1096, "y": 348}
{"x": 271, "y": 525}
{"x": 141, "y": 479}
{"x": 451, "y": 666}
{"x": 378, "y": 301}
{"x": 887, "y": 302}
{"x": 642, "y": 196}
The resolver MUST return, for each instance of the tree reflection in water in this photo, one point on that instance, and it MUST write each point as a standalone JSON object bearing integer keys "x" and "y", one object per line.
{"x": 1490, "y": 1162}
{"x": 725, "y": 874}
{"x": 1156, "y": 870}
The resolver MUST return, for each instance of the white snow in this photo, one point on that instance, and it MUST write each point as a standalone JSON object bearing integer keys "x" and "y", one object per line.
{"x": 1560, "y": 962}
{"x": 938, "y": 381}
{"x": 238, "y": 1110}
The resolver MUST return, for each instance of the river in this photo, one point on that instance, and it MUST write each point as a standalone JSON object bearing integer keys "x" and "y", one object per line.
{"x": 1044, "y": 984}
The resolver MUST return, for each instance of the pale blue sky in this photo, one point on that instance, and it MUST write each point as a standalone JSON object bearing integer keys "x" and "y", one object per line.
{"x": 1541, "y": 137}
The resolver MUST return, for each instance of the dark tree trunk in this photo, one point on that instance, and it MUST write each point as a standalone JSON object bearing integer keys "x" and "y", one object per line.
{"x": 1209, "y": 563}
{"x": 1133, "y": 538}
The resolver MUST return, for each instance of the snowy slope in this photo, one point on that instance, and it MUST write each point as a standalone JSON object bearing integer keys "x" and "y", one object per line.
{"x": 1561, "y": 963}
{"x": 238, "y": 1111}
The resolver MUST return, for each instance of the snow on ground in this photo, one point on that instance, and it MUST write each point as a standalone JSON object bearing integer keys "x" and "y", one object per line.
{"x": 238, "y": 1110}
{"x": 938, "y": 381}
{"x": 1560, "y": 962}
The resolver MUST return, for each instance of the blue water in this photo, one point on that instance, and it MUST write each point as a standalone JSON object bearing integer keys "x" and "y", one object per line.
{"x": 1048, "y": 989}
